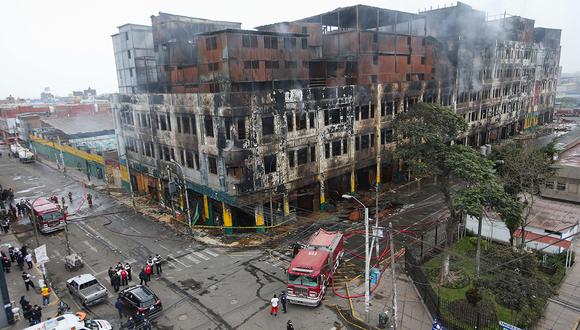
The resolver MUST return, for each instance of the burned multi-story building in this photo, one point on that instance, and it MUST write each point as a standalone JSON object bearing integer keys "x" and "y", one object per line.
{"x": 292, "y": 114}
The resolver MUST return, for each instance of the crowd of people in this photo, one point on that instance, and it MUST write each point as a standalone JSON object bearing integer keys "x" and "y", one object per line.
{"x": 122, "y": 274}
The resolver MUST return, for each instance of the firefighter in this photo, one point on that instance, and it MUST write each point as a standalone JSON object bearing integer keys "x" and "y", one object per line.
{"x": 90, "y": 200}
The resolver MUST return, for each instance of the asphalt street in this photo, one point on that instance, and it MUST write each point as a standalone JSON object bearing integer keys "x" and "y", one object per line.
{"x": 201, "y": 287}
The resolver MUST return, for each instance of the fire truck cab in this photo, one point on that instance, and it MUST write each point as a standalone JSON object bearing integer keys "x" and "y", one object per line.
{"x": 311, "y": 269}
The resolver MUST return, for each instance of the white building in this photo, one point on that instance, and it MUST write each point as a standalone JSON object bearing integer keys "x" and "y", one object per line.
{"x": 551, "y": 226}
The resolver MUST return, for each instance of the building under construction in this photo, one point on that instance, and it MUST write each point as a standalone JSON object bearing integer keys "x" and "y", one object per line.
{"x": 295, "y": 114}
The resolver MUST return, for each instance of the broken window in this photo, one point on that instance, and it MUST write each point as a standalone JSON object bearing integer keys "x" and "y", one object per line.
{"x": 301, "y": 121}
{"x": 129, "y": 54}
{"x": 304, "y": 43}
{"x": 196, "y": 159}
{"x": 186, "y": 124}
{"x": 162, "y": 122}
{"x": 327, "y": 150}
{"x": 267, "y": 125}
{"x": 208, "y": 124}
{"x": 357, "y": 143}
{"x": 375, "y": 37}
{"x": 189, "y": 159}
{"x": 291, "y": 158}
{"x": 212, "y": 164}
{"x": 372, "y": 110}
{"x": 345, "y": 146}
{"x": 375, "y": 59}
{"x": 313, "y": 153}
{"x": 228, "y": 125}
{"x": 302, "y": 156}
{"x": 211, "y": 43}
{"x": 270, "y": 163}
{"x": 167, "y": 154}
{"x": 290, "y": 121}
{"x": 242, "y": 128}
{"x": 335, "y": 116}
{"x": 408, "y": 59}
{"x": 386, "y": 136}
{"x": 423, "y": 60}
{"x": 372, "y": 140}
{"x": 270, "y": 42}
{"x": 289, "y": 43}
{"x": 311, "y": 119}
{"x": 336, "y": 148}
{"x": 364, "y": 142}
{"x": 364, "y": 112}
{"x": 561, "y": 186}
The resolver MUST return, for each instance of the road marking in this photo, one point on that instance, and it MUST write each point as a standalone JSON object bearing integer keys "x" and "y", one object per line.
{"x": 113, "y": 246}
{"x": 190, "y": 257}
{"x": 94, "y": 249}
{"x": 135, "y": 230}
{"x": 210, "y": 252}
{"x": 174, "y": 259}
{"x": 174, "y": 266}
{"x": 202, "y": 256}
{"x": 166, "y": 248}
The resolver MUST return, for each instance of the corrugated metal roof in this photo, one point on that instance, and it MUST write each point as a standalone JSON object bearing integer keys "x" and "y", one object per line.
{"x": 82, "y": 124}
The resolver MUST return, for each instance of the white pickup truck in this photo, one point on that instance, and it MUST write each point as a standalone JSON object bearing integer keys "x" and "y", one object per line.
{"x": 87, "y": 289}
{"x": 71, "y": 321}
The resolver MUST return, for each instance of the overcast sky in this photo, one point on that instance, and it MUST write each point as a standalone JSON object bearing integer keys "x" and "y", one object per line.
{"x": 66, "y": 45}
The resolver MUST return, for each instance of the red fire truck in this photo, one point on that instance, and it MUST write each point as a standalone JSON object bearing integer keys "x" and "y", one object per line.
{"x": 47, "y": 215}
{"x": 310, "y": 271}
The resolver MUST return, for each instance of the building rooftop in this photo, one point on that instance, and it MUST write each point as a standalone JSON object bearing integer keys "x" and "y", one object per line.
{"x": 82, "y": 124}
{"x": 241, "y": 31}
{"x": 552, "y": 215}
{"x": 571, "y": 155}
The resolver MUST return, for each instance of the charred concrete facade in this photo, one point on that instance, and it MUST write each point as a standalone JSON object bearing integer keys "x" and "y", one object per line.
{"x": 294, "y": 114}
{"x": 501, "y": 74}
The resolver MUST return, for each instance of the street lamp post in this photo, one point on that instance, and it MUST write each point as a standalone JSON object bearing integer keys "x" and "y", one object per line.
{"x": 367, "y": 256}
{"x": 186, "y": 195}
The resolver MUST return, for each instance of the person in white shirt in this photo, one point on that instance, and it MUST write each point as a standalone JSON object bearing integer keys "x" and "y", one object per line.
{"x": 274, "y": 303}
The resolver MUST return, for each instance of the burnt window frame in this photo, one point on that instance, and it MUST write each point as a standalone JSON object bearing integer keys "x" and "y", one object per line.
{"x": 212, "y": 164}
{"x": 336, "y": 148}
{"x": 273, "y": 128}
{"x": 270, "y": 163}
{"x": 208, "y": 126}
{"x": 302, "y": 156}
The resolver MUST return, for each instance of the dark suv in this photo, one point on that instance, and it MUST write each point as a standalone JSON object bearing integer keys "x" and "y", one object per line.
{"x": 140, "y": 299}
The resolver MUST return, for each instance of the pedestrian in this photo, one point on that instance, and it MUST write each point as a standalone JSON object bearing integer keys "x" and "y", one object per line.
{"x": 283, "y": 300}
{"x": 24, "y": 250}
{"x": 157, "y": 261}
{"x": 289, "y": 325}
{"x": 27, "y": 280}
{"x": 70, "y": 197}
{"x": 146, "y": 325}
{"x": 20, "y": 260}
{"x": 90, "y": 200}
{"x": 142, "y": 277}
{"x": 130, "y": 324}
{"x": 124, "y": 277}
{"x": 23, "y": 302}
{"x": 148, "y": 272}
{"x": 27, "y": 313}
{"x": 36, "y": 314}
{"x": 150, "y": 263}
{"x": 119, "y": 266}
{"x": 6, "y": 225}
{"x": 128, "y": 269}
{"x": 111, "y": 274}
{"x": 274, "y": 303}
{"x": 116, "y": 282}
{"x": 28, "y": 259}
{"x": 295, "y": 249}
{"x": 119, "y": 305}
{"x": 12, "y": 254}
{"x": 6, "y": 263}
{"x": 139, "y": 317}
{"x": 45, "y": 291}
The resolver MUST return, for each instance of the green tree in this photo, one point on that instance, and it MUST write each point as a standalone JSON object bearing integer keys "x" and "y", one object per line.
{"x": 524, "y": 171}
{"x": 424, "y": 142}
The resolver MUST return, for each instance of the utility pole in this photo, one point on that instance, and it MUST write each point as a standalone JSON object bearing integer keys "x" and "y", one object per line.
{"x": 186, "y": 195}
{"x": 170, "y": 194}
{"x": 61, "y": 155}
{"x": 367, "y": 257}
{"x": 393, "y": 275}
{"x": 68, "y": 249}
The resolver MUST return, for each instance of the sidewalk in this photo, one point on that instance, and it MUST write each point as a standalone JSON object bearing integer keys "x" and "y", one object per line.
{"x": 563, "y": 310}
{"x": 16, "y": 287}
{"x": 412, "y": 314}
